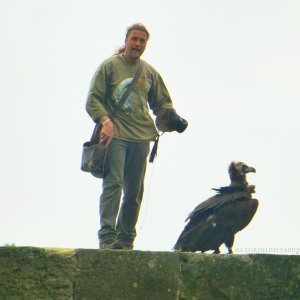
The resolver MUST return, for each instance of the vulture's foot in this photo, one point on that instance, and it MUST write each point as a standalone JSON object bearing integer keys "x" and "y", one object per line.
{"x": 230, "y": 251}
{"x": 217, "y": 251}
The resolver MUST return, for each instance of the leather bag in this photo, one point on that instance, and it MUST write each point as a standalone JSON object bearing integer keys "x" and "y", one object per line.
{"x": 94, "y": 155}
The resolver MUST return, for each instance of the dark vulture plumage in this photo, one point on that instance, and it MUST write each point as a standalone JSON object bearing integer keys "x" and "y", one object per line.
{"x": 216, "y": 220}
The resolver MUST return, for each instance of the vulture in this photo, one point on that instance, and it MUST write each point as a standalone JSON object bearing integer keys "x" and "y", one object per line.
{"x": 216, "y": 220}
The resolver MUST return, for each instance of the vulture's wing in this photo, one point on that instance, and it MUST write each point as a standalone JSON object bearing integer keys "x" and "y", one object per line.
{"x": 196, "y": 234}
{"x": 216, "y": 201}
{"x": 208, "y": 229}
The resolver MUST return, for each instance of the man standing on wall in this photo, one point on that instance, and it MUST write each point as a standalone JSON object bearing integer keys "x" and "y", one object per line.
{"x": 128, "y": 134}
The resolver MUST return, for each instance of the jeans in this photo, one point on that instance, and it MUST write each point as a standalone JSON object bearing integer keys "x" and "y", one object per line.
{"x": 127, "y": 163}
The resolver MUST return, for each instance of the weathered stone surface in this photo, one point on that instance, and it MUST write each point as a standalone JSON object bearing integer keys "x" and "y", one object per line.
{"x": 132, "y": 275}
{"x": 238, "y": 277}
{"x": 34, "y": 273}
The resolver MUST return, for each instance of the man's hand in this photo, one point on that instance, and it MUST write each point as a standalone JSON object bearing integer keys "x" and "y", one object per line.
{"x": 107, "y": 131}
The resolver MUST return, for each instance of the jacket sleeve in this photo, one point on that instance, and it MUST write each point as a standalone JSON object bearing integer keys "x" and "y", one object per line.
{"x": 97, "y": 92}
{"x": 159, "y": 97}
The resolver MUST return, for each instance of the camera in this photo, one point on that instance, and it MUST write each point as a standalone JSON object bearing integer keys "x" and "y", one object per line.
{"x": 168, "y": 120}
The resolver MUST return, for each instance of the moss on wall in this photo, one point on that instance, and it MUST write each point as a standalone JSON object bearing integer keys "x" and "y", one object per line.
{"x": 35, "y": 273}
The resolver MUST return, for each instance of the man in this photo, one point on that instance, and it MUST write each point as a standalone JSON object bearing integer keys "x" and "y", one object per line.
{"x": 128, "y": 134}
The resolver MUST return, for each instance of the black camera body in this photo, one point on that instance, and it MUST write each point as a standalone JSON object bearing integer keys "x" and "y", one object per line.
{"x": 177, "y": 123}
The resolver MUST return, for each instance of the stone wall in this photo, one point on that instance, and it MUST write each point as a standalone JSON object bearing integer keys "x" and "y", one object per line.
{"x": 36, "y": 273}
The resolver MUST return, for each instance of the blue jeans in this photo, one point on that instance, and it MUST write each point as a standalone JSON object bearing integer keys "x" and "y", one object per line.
{"x": 127, "y": 163}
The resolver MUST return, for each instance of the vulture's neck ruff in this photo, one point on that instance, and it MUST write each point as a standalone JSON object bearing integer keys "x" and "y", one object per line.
{"x": 237, "y": 173}
{"x": 249, "y": 189}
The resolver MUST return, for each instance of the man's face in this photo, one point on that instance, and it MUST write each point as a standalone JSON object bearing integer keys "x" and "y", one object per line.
{"x": 135, "y": 44}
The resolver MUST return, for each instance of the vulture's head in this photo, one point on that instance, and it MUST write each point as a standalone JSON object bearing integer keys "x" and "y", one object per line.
{"x": 237, "y": 173}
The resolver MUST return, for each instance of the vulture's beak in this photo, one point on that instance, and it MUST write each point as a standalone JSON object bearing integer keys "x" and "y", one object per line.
{"x": 249, "y": 169}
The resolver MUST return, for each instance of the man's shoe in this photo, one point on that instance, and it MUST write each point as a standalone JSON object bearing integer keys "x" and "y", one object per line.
{"x": 106, "y": 245}
{"x": 127, "y": 246}
{"x": 121, "y": 246}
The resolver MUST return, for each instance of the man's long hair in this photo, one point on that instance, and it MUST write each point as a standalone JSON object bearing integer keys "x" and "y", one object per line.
{"x": 137, "y": 26}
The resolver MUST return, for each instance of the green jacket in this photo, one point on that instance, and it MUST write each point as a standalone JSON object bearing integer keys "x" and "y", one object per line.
{"x": 133, "y": 121}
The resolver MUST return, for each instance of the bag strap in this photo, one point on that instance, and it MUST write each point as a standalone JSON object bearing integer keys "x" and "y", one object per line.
{"x": 96, "y": 133}
{"x": 98, "y": 126}
{"x": 129, "y": 89}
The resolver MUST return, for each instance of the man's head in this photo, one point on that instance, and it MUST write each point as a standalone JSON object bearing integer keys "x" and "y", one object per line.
{"x": 135, "y": 42}
{"x": 140, "y": 27}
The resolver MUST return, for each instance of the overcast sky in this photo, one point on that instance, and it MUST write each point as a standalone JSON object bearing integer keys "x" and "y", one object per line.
{"x": 233, "y": 71}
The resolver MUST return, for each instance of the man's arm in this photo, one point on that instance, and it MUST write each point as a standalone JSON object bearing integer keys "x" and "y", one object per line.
{"x": 98, "y": 88}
